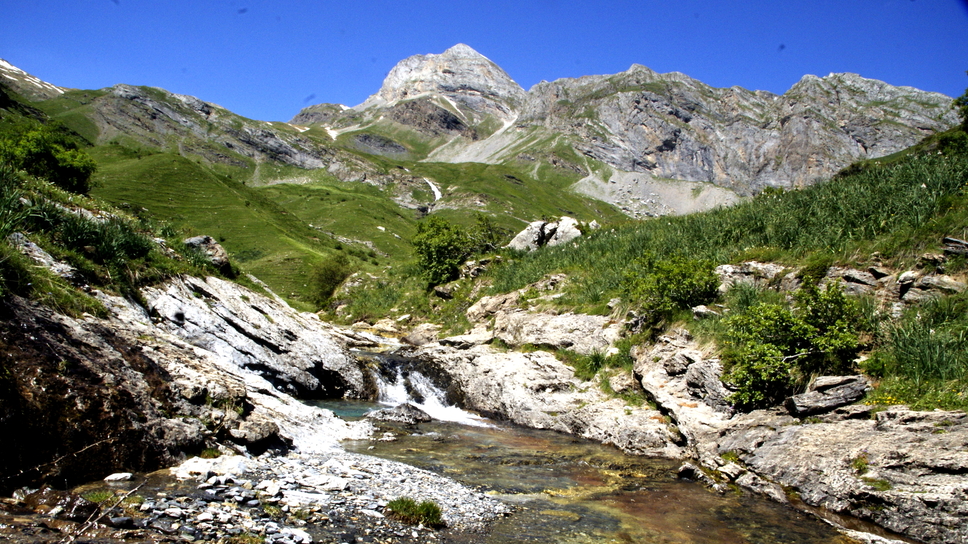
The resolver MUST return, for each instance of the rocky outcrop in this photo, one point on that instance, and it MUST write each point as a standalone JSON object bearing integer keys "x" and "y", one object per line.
{"x": 826, "y": 393}
{"x": 502, "y": 317}
{"x": 293, "y": 351}
{"x": 539, "y": 234}
{"x": 539, "y": 391}
{"x": 157, "y": 118}
{"x": 85, "y": 397}
{"x": 900, "y": 469}
{"x": 459, "y": 74}
{"x": 672, "y": 126}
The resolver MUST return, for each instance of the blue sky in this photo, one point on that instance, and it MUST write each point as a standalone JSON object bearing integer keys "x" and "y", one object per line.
{"x": 268, "y": 59}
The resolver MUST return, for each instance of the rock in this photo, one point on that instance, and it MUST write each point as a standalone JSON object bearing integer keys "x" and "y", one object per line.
{"x": 424, "y": 333}
{"x": 60, "y": 504}
{"x": 879, "y": 272}
{"x": 406, "y": 413}
{"x": 934, "y": 261}
{"x": 827, "y": 393}
{"x": 732, "y": 471}
{"x": 702, "y": 311}
{"x": 856, "y": 276}
{"x": 445, "y": 291}
{"x": 954, "y": 246}
{"x": 751, "y": 272}
{"x": 539, "y": 234}
{"x": 581, "y": 333}
{"x": 757, "y": 484}
{"x": 212, "y": 250}
{"x": 294, "y": 351}
{"x": 119, "y": 477}
{"x": 478, "y": 335}
{"x": 41, "y": 257}
{"x": 537, "y": 390}
{"x": 490, "y": 305}
{"x": 623, "y": 382}
{"x": 937, "y": 282}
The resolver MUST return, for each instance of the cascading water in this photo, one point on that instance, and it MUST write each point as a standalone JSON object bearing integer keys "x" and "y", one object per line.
{"x": 408, "y": 385}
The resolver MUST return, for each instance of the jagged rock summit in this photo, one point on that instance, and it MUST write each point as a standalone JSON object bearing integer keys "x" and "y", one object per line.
{"x": 459, "y": 73}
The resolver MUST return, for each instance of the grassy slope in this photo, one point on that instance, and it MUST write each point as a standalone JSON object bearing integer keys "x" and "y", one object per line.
{"x": 265, "y": 239}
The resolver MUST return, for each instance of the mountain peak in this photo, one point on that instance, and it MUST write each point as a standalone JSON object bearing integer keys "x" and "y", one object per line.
{"x": 459, "y": 73}
{"x": 462, "y": 50}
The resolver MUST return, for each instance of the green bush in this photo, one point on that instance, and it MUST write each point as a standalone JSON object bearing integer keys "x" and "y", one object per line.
{"x": 442, "y": 248}
{"x": 328, "y": 276}
{"x": 662, "y": 286}
{"x": 50, "y": 153}
{"x": 407, "y": 510}
{"x": 770, "y": 349}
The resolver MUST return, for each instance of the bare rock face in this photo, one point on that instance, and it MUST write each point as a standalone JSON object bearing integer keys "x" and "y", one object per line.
{"x": 673, "y": 126}
{"x": 291, "y": 350}
{"x": 827, "y": 393}
{"x": 539, "y": 391}
{"x": 460, "y": 74}
{"x": 155, "y": 117}
{"x": 212, "y": 250}
{"x": 901, "y": 469}
{"x": 585, "y": 334}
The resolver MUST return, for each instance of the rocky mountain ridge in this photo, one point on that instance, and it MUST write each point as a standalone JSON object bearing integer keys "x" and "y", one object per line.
{"x": 641, "y": 124}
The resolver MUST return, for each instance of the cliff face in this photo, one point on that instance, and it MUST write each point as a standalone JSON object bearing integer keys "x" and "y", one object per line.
{"x": 665, "y": 126}
{"x": 672, "y": 126}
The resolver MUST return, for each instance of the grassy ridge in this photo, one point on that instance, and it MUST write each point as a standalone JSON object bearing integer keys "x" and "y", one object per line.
{"x": 897, "y": 209}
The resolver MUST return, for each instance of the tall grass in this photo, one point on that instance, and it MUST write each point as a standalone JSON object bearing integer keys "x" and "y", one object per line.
{"x": 829, "y": 217}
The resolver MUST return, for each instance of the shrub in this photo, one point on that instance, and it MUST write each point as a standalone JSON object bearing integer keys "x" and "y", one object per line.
{"x": 442, "y": 248}
{"x": 407, "y": 510}
{"x": 771, "y": 348}
{"x": 47, "y": 152}
{"x": 662, "y": 286}
{"x": 328, "y": 276}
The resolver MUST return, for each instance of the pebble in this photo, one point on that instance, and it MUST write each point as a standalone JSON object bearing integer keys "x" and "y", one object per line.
{"x": 287, "y": 499}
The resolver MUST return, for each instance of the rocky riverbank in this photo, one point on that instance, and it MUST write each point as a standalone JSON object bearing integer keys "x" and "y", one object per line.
{"x": 282, "y": 499}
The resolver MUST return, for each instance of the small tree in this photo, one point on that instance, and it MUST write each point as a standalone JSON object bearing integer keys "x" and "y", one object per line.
{"x": 328, "y": 276}
{"x": 442, "y": 248}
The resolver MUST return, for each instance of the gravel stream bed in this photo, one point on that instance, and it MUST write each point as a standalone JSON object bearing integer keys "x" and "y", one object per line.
{"x": 293, "y": 499}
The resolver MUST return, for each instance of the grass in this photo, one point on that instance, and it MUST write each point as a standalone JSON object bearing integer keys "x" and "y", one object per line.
{"x": 923, "y": 195}
{"x": 407, "y": 510}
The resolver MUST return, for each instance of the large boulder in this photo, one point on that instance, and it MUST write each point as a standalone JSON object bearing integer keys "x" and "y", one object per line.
{"x": 539, "y": 234}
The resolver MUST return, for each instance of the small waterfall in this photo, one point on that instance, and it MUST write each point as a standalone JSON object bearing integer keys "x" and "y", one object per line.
{"x": 399, "y": 383}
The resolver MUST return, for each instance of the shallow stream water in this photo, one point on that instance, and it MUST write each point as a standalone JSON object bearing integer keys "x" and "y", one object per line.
{"x": 570, "y": 490}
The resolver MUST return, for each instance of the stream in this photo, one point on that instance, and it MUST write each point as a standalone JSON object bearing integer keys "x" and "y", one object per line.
{"x": 567, "y": 489}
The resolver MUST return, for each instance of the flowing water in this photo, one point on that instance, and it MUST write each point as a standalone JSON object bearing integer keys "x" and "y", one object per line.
{"x": 570, "y": 490}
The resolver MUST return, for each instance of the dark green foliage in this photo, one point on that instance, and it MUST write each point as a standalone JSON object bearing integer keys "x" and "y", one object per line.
{"x": 441, "y": 248}
{"x": 52, "y": 154}
{"x": 407, "y": 510}
{"x": 328, "y": 276}
{"x": 960, "y": 105}
{"x": 772, "y": 348}
{"x": 661, "y": 286}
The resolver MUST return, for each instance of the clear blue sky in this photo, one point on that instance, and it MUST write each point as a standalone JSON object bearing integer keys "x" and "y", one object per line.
{"x": 268, "y": 59}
